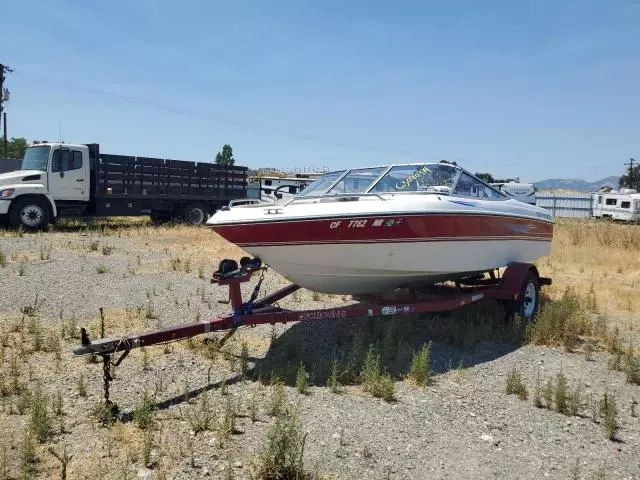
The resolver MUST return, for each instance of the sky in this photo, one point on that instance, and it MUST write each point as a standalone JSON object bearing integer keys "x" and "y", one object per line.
{"x": 530, "y": 88}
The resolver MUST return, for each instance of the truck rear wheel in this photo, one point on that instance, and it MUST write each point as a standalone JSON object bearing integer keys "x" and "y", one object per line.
{"x": 30, "y": 213}
{"x": 195, "y": 214}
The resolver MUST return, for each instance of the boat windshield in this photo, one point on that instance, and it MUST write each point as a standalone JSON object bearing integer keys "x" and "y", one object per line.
{"x": 431, "y": 177}
{"x": 357, "y": 181}
{"x": 320, "y": 184}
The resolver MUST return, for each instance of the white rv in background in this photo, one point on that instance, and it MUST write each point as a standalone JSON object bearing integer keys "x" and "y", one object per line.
{"x": 618, "y": 205}
{"x": 523, "y": 192}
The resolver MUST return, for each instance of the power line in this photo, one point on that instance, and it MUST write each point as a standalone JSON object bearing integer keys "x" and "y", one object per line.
{"x": 221, "y": 119}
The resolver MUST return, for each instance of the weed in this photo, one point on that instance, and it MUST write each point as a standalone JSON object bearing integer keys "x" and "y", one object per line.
{"x": 150, "y": 313}
{"x": 107, "y": 250}
{"x": 227, "y": 425}
{"x": 144, "y": 412}
{"x": 575, "y": 400}
{"x": 282, "y": 457}
{"x": 244, "y": 358}
{"x": 39, "y": 422}
{"x": 45, "y": 252}
{"x": 82, "y": 386}
{"x": 333, "y": 381}
{"x": 301, "y": 380}
{"x": 277, "y": 399}
{"x": 93, "y": 246}
{"x": 28, "y": 458}
{"x": 633, "y": 408}
{"x": 315, "y": 296}
{"x": 146, "y": 361}
{"x": 22, "y": 268}
{"x": 102, "y": 269}
{"x": 64, "y": 458}
{"x": 253, "y": 408}
{"x": 370, "y": 370}
{"x": 609, "y": 415}
{"x": 385, "y": 388}
{"x": 148, "y": 442}
{"x": 200, "y": 271}
{"x": 376, "y": 382}
{"x": 200, "y": 417}
{"x": 561, "y": 393}
{"x": 3, "y": 259}
{"x": 421, "y": 365}
{"x": 537, "y": 399}
{"x": 57, "y": 404}
{"x": 187, "y": 266}
{"x": 561, "y": 322}
{"x": 547, "y": 394}
{"x": 632, "y": 367}
{"x": 515, "y": 385}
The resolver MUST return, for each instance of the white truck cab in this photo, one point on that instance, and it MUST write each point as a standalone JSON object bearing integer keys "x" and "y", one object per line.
{"x": 51, "y": 175}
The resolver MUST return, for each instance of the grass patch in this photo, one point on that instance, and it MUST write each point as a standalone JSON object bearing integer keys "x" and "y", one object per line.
{"x": 561, "y": 322}
{"x": 420, "y": 371}
{"x": 515, "y": 385}
{"x": 102, "y": 269}
{"x": 282, "y": 457}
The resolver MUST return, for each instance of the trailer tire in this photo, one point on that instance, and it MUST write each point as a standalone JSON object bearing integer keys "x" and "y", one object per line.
{"x": 32, "y": 213}
{"x": 195, "y": 214}
{"x": 528, "y": 302}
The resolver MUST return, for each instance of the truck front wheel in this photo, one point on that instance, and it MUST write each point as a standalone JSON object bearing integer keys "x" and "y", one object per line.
{"x": 195, "y": 214}
{"x": 30, "y": 213}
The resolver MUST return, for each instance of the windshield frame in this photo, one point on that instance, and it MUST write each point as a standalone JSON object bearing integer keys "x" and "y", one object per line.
{"x": 459, "y": 171}
{"x": 454, "y": 182}
{"x": 36, "y": 147}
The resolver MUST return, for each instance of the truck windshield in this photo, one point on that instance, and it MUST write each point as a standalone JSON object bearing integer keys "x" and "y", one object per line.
{"x": 36, "y": 158}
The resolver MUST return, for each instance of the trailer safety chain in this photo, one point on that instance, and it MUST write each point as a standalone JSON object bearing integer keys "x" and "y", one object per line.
{"x": 106, "y": 376}
{"x": 256, "y": 290}
{"x": 247, "y": 307}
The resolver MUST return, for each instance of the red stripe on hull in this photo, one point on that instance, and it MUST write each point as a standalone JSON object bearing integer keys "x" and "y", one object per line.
{"x": 387, "y": 229}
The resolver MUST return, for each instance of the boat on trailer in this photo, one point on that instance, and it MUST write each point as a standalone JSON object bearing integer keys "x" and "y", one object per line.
{"x": 369, "y": 230}
{"x": 401, "y": 225}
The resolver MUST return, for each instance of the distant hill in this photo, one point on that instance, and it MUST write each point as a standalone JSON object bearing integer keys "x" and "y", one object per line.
{"x": 575, "y": 184}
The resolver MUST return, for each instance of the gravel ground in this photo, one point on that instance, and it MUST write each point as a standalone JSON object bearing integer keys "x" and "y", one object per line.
{"x": 463, "y": 425}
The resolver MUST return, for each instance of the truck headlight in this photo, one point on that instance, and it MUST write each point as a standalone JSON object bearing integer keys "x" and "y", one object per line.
{"x": 6, "y": 193}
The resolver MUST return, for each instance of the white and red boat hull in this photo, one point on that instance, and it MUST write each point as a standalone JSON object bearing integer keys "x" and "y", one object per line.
{"x": 357, "y": 254}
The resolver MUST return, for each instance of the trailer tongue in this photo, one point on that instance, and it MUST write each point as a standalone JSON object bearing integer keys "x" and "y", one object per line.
{"x": 518, "y": 289}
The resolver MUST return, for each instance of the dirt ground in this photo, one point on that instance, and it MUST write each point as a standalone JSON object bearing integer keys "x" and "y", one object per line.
{"x": 463, "y": 424}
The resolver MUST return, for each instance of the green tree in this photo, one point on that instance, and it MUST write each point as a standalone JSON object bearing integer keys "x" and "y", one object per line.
{"x": 635, "y": 178}
{"x": 226, "y": 156}
{"x": 487, "y": 177}
{"x": 16, "y": 147}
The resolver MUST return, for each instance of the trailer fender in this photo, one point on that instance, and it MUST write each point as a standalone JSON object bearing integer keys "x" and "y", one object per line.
{"x": 513, "y": 278}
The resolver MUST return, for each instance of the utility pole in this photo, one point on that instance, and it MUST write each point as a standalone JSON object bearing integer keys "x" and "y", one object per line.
{"x": 3, "y": 69}
{"x": 630, "y": 164}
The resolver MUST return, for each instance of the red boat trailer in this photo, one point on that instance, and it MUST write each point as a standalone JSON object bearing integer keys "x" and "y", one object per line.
{"x": 516, "y": 288}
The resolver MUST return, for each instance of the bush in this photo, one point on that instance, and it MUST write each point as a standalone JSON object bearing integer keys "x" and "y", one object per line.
{"x": 282, "y": 457}
{"x": 421, "y": 365}
{"x": 515, "y": 385}
{"x": 143, "y": 413}
{"x": 560, "y": 322}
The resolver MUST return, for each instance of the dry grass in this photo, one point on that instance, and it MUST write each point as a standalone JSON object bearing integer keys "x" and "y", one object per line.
{"x": 599, "y": 260}
{"x": 596, "y": 256}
